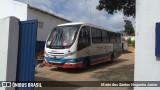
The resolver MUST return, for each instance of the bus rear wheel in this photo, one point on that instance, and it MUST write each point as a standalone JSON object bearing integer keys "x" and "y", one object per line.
{"x": 112, "y": 57}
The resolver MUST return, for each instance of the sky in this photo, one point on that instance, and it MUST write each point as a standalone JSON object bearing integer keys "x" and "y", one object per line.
{"x": 82, "y": 11}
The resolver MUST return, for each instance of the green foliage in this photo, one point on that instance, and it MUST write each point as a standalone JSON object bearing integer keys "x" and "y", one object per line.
{"x": 129, "y": 30}
{"x": 133, "y": 44}
{"x": 129, "y": 41}
{"x": 112, "y": 6}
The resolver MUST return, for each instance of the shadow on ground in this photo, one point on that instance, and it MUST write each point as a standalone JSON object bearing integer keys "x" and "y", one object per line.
{"x": 127, "y": 52}
{"x": 92, "y": 68}
{"x": 123, "y": 73}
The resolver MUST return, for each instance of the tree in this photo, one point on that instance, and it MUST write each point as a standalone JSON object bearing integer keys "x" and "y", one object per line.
{"x": 129, "y": 30}
{"x": 112, "y": 6}
{"x": 129, "y": 41}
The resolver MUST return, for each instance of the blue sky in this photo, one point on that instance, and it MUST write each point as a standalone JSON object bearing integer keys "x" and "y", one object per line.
{"x": 79, "y": 10}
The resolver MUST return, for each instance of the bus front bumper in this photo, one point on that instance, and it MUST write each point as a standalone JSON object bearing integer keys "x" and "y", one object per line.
{"x": 65, "y": 65}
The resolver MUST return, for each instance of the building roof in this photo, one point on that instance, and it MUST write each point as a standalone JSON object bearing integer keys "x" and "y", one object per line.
{"x": 46, "y": 12}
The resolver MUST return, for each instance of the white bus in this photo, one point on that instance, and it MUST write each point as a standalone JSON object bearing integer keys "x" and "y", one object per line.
{"x": 79, "y": 45}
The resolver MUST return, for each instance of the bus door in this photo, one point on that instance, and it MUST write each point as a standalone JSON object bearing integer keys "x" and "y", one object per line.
{"x": 84, "y": 42}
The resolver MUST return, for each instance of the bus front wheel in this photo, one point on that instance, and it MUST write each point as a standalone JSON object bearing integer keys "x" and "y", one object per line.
{"x": 85, "y": 65}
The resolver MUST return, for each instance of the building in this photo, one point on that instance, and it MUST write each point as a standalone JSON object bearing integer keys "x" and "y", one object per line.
{"x": 147, "y": 64}
{"x": 46, "y": 20}
{"x": 124, "y": 45}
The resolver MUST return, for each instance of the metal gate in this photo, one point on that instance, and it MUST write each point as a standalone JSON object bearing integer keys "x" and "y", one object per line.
{"x": 26, "y": 52}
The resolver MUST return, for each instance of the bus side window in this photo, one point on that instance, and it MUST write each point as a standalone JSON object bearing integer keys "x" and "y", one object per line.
{"x": 84, "y": 38}
{"x": 105, "y": 36}
{"x": 118, "y": 38}
{"x": 107, "y": 33}
{"x": 109, "y": 37}
{"x": 99, "y": 35}
{"x": 96, "y": 35}
{"x": 112, "y": 37}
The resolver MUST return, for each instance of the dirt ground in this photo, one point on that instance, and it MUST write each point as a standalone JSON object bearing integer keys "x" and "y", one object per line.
{"x": 122, "y": 69}
{"x": 131, "y": 49}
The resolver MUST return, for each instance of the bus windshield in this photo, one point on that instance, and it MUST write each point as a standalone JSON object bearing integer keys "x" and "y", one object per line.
{"x": 62, "y": 36}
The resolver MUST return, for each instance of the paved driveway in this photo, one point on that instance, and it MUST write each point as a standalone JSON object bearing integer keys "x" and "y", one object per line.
{"x": 122, "y": 69}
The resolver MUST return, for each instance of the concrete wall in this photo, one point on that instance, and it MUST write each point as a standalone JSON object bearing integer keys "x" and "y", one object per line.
{"x": 48, "y": 23}
{"x": 9, "y": 28}
{"x": 125, "y": 45}
{"x": 147, "y": 65}
{"x": 13, "y": 8}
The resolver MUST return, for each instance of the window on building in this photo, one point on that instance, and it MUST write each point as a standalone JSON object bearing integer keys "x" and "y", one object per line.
{"x": 40, "y": 24}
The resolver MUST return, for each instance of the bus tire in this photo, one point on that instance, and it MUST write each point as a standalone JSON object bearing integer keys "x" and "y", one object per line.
{"x": 85, "y": 65}
{"x": 112, "y": 58}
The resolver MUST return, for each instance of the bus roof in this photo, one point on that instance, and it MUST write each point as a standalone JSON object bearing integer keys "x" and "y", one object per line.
{"x": 72, "y": 23}
{"x": 84, "y": 23}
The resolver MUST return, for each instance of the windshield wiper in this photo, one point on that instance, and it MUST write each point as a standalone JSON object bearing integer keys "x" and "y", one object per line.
{"x": 54, "y": 40}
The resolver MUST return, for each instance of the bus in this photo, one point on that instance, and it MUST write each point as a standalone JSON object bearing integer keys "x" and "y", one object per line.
{"x": 80, "y": 45}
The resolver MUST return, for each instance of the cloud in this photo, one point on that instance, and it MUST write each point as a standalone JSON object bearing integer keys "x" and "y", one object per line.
{"x": 37, "y": 3}
{"x": 82, "y": 10}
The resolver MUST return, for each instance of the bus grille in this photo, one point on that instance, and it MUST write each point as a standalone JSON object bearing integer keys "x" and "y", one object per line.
{"x": 55, "y": 53}
{"x": 57, "y": 63}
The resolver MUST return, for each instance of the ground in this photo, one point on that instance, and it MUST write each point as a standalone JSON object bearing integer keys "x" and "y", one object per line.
{"x": 122, "y": 69}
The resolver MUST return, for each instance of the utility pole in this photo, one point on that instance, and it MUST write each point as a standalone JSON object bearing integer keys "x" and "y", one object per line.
{"x": 90, "y": 10}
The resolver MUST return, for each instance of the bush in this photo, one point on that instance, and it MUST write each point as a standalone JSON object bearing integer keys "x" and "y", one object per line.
{"x": 133, "y": 44}
{"x": 129, "y": 41}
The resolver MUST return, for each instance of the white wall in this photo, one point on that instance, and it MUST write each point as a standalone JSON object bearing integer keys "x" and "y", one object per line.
{"x": 125, "y": 45}
{"x": 147, "y": 66}
{"x": 48, "y": 23}
{"x": 13, "y": 8}
{"x": 4, "y": 29}
{"x": 23, "y": 12}
{"x": 9, "y": 28}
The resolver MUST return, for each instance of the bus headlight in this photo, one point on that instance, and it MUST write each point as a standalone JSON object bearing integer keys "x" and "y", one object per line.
{"x": 70, "y": 53}
{"x": 45, "y": 54}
